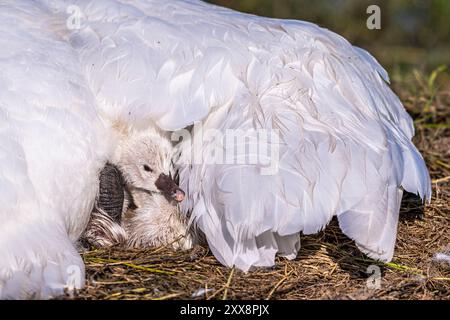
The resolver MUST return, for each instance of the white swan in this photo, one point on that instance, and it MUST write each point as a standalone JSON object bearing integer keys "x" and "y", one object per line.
{"x": 70, "y": 69}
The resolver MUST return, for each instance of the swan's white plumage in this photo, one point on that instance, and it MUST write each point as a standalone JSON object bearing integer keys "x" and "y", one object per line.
{"x": 345, "y": 137}
{"x": 49, "y": 154}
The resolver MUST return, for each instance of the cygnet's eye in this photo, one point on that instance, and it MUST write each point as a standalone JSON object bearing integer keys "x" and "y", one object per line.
{"x": 147, "y": 168}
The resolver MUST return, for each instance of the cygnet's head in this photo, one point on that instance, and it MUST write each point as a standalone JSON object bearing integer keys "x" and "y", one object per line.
{"x": 144, "y": 159}
{"x": 137, "y": 198}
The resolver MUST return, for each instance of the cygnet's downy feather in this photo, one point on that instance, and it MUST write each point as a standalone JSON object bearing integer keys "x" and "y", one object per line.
{"x": 137, "y": 201}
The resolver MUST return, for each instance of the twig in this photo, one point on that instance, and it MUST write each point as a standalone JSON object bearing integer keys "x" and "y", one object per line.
{"x": 278, "y": 284}
{"x": 401, "y": 267}
{"x": 441, "y": 278}
{"x": 149, "y": 269}
{"x": 169, "y": 296}
{"x": 114, "y": 295}
{"x": 227, "y": 285}
{"x": 131, "y": 265}
{"x": 443, "y": 164}
{"x": 441, "y": 180}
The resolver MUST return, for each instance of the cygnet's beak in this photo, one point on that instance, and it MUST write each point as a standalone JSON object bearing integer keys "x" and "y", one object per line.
{"x": 178, "y": 195}
{"x": 169, "y": 188}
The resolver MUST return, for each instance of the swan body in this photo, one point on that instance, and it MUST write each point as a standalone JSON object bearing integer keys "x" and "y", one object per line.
{"x": 70, "y": 70}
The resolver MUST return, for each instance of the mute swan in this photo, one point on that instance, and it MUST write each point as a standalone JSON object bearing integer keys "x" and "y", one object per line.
{"x": 70, "y": 69}
{"x": 135, "y": 206}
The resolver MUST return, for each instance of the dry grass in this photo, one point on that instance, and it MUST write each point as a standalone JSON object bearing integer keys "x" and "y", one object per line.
{"x": 328, "y": 266}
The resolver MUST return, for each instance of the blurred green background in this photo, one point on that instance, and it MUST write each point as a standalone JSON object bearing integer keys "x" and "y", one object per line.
{"x": 413, "y": 34}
